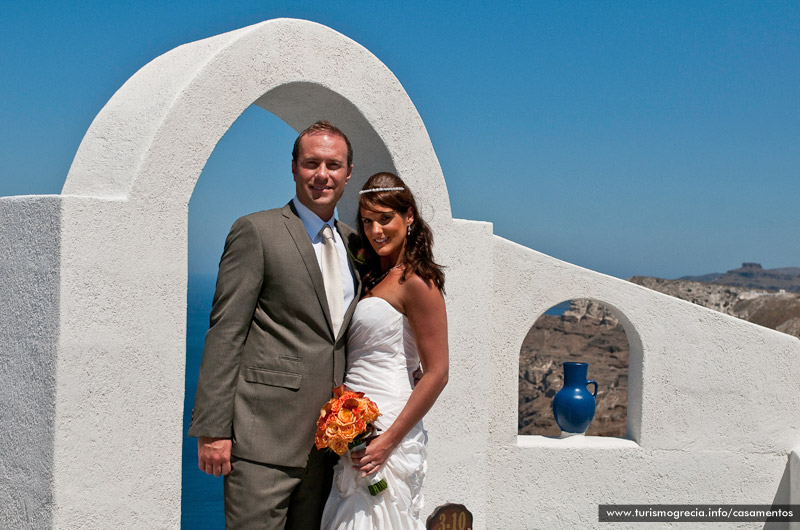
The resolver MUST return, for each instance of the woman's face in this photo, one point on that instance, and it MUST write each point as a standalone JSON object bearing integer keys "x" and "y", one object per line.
{"x": 386, "y": 230}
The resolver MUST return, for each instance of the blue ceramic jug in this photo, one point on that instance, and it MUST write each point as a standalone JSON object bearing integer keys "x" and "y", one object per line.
{"x": 573, "y": 406}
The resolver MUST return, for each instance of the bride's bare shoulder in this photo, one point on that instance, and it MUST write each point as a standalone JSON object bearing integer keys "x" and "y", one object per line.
{"x": 418, "y": 290}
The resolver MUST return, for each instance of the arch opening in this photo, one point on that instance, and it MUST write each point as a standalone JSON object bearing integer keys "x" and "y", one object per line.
{"x": 249, "y": 170}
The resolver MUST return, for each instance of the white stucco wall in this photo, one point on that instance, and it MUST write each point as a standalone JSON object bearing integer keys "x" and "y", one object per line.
{"x": 96, "y": 279}
{"x": 29, "y": 299}
{"x": 714, "y": 406}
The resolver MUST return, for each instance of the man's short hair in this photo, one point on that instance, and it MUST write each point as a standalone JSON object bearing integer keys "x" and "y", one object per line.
{"x": 319, "y": 127}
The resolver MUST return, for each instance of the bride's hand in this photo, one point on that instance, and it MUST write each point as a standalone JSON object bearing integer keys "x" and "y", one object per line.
{"x": 374, "y": 456}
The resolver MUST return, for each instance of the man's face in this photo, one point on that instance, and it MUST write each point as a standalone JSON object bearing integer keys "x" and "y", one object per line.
{"x": 321, "y": 172}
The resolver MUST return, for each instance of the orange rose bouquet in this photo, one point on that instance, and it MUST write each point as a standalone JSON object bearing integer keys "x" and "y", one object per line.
{"x": 344, "y": 423}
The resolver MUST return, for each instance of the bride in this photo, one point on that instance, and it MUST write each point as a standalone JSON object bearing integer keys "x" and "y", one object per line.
{"x": 399, "y": 323}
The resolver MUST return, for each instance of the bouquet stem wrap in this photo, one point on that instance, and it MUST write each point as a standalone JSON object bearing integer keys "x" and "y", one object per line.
{"x": 375, "y": 481}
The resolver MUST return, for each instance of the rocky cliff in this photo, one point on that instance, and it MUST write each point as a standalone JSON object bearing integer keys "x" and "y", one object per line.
{"x": 777, "y": 310}
{"x": 754, "y": 276}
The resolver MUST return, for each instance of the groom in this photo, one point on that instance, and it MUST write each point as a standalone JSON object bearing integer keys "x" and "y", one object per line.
{"x": 286, "y": 291}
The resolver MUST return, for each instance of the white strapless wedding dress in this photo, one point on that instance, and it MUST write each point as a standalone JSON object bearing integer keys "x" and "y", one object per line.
{"x": 381, "y": 358}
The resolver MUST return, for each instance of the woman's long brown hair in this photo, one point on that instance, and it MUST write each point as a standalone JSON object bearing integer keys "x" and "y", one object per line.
{"x": 418, "y": 254}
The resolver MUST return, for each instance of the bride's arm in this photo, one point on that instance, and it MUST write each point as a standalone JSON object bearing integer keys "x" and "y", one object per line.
{"x": 424, "y": 306}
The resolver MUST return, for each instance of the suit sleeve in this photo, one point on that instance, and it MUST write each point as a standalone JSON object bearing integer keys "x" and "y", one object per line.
{"x": 239, "y": 281}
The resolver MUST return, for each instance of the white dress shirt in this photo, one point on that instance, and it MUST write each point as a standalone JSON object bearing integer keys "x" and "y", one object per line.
{"x": 313, "y": 225}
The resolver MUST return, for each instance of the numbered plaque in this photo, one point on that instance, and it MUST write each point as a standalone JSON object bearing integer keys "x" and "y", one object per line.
{"x": 450, "y": 517}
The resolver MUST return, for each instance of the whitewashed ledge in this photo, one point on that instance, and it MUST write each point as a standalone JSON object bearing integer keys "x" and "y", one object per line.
{"x": 575, "y": 442}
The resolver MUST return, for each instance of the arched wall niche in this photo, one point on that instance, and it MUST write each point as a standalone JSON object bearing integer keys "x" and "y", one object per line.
{"x": 601, "y": 310}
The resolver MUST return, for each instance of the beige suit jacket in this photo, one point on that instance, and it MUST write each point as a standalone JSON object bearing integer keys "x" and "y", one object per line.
{"x": 270, "y": 358}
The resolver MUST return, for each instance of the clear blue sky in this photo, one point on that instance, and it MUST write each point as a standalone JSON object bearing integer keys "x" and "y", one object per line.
{"x": 653, "y": 138}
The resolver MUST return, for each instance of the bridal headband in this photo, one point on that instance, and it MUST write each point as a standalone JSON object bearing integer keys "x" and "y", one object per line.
{"x": 371, "y": 190}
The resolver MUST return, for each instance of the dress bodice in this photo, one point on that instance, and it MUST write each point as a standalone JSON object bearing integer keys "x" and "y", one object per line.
{"x": 381, "y": 356}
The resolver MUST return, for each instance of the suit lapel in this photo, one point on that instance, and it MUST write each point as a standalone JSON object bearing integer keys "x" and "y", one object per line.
{"x": 298, "y": 233}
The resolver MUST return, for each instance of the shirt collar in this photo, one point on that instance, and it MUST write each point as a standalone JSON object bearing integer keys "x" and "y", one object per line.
{"x": 311, "y": 221}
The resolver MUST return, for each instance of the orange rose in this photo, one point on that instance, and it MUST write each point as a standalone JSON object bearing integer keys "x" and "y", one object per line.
{"x": 372, "y": 413}
{"x": 331, "y": 430}
{"x": 349, "y": 432}
{"x": 345, "y": 417}
{"x": 338, "y": 446}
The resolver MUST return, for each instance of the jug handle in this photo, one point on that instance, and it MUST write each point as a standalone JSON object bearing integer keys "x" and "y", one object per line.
{"x": 589, "y": 381}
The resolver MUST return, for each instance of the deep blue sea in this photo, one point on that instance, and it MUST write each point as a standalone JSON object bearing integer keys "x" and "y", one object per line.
{"x": 201, "y": 499}
{"x": 558, "y": 309}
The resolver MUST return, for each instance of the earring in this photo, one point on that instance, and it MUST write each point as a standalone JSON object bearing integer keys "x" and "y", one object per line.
{"x": 408, "y": 230}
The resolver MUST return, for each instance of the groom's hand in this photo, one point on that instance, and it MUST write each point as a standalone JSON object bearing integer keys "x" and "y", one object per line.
{"x": 214, "y": 455}
{"x": 417, "y": 375}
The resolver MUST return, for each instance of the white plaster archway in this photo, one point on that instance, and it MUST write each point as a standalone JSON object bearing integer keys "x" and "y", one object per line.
{"x": 124, "y": 236}
{"x": 155, "y": 134}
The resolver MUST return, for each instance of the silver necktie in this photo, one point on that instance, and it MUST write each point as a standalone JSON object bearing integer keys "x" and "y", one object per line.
{"x": 332, "y": 276}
